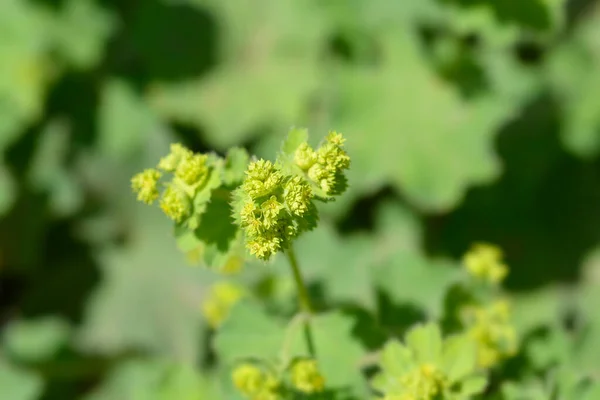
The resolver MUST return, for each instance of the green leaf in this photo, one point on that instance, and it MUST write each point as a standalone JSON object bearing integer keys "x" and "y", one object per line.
{"x": 414, "y": 279}
{"x": 248, "y": 332}
{"x": 528, "y": 390}
{"x": 35, "y": 340}
{"x": 459, "y": 358}
{"x": 391, "y": 136}
{"x": 19, "y": 384}
{"x": 149, "y": 297}
{"x": 473, "y": 385}
{"x": 425, "y": 341}
{"x": 124, "y": 121}
{"x": 572, "y": 75}
{"x": 154, "y": 379}
{"x": 294, "y": 139}
{"x": 49, "y": 173}
{"x": 80, "y": 30}
{"x": 236, "y": 162}
{"x": 275, "y": 45}
{"x": 25, "y": 70}
{"x": 217, "y": 242}
{"x": 553, "y": 348}
{"x": 537, "y": 308}
{"x": 396, "y": 360}
{"x": 184, "y": 382}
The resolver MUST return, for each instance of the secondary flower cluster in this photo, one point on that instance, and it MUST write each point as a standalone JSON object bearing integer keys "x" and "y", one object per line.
{"x": 276, "y": 206}
{"x": 190, "y": 174}
{"x": 491, "y": 328}
{"x": 306, "y": 377}
{"x": 484, "y": 262}
{"x": 325, "y": 166}
{"x": 488, "y": 320}
{"x": 257, "y": 383}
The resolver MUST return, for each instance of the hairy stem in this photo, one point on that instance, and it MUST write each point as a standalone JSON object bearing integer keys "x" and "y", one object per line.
{"x": 303, "y": 299}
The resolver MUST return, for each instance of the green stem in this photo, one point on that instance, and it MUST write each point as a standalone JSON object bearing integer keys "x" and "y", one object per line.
{"x": 303, "y": 297}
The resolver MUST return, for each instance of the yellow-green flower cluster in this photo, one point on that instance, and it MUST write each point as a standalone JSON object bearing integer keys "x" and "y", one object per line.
{"x": 274, "y": 208}
{"x": 190, "y": 172}
{"x": 484, "y": 262}
{"x": 306, "y": 376}
{"x": 176, "y": 203}
{"x": 326, "y": 165}
{"x": 491, "y": 328}
{"x": 145, "y": 184}
{"x": 222, "y": 297}
{"x": 256, "y": 384}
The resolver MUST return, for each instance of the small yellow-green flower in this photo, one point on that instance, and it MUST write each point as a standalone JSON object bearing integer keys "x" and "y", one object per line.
{"x": 298, "y": 195}
{"x": 262, "y": 178}
{"x": 254, "y": 383}
{"x": 306, "y": 376}
{"x": 192, "y": 169}
{"x": 175, "y": 203}
{"x": 222, "y": 297}
{"x": 484, "y": 261}
{"x": 491, "y": 329}
{"x": 270, "y": 210}
{"x": 265, "y": 245}
{"x": 145, "y": 184}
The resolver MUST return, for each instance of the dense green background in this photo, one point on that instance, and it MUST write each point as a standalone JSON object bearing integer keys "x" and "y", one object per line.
{"x": 466, "y": 120}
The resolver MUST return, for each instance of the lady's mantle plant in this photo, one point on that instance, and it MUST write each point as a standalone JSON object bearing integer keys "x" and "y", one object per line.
{"x": 273, "y": 203}
{"x": 226, "y": 209}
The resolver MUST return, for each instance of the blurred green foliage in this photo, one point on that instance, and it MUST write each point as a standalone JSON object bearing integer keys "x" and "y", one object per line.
{"x": 465, "y": 120}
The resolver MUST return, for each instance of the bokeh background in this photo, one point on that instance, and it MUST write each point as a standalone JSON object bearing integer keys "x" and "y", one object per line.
{"x": 466, "y": 120}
